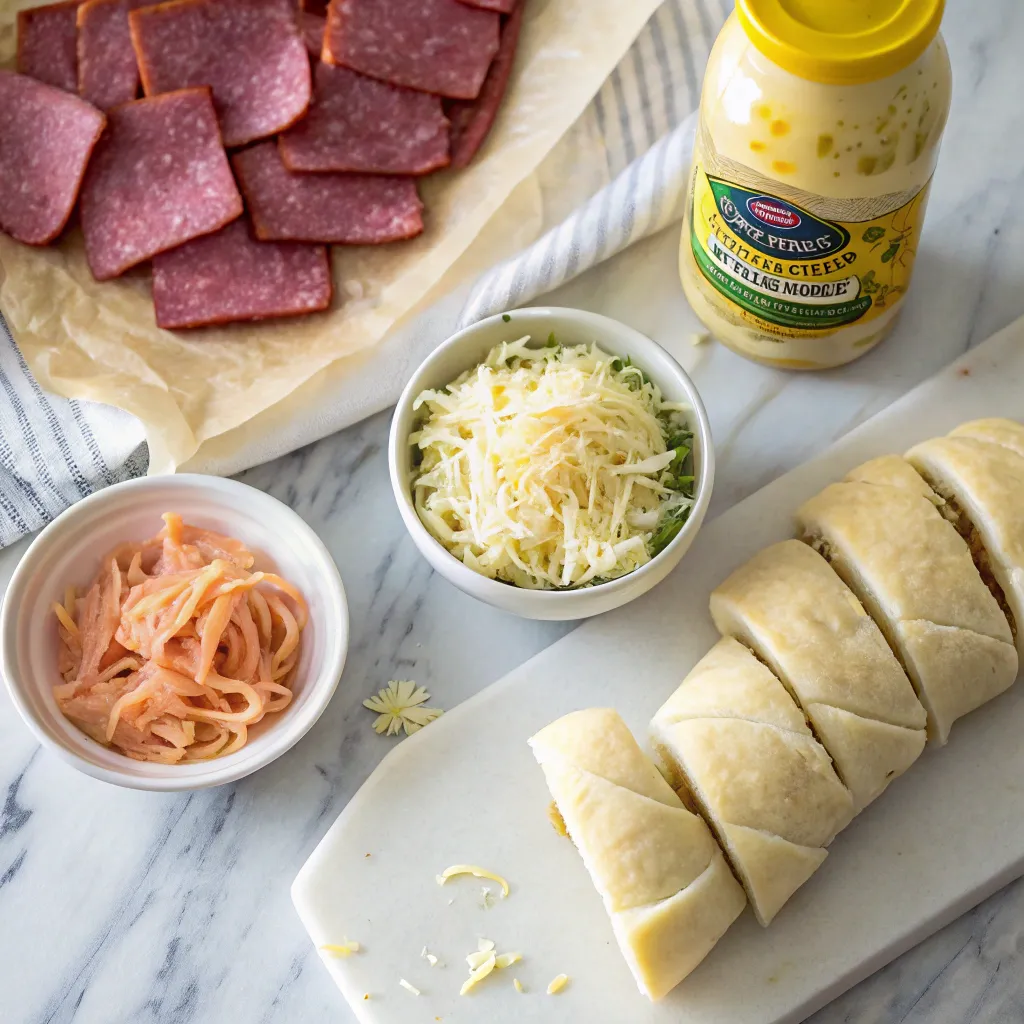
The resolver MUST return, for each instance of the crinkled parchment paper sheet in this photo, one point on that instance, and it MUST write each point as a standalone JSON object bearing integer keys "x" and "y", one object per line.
{"x": 86, "y": 339}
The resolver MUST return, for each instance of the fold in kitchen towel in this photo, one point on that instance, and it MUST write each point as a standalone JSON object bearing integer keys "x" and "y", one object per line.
{"x": 54, "y": 451}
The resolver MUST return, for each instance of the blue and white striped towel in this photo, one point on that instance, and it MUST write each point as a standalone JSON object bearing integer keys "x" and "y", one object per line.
{"x": 54, "y": 451}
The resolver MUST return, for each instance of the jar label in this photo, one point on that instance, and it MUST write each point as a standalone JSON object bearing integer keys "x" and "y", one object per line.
{"x": 788, "y": 272}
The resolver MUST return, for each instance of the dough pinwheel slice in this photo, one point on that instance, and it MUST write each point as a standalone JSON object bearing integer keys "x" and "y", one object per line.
{"x": 789, "y": 607}
{"x": 982, "y": 485}
{"x": 663, "y": 880}
{"x": 915, "y": 576}
{"x": 996, "y": 430}
{"x": 734, "y": 738}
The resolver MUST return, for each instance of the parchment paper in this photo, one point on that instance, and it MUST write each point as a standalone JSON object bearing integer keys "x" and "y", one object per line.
{"x": 87, "y": 339}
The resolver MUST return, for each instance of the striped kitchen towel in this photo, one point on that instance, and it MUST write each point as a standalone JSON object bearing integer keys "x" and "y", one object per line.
{"x": 54, "y": 451}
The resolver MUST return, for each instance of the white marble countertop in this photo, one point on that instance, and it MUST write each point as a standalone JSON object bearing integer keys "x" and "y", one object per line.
{"x": 119, "y": 907}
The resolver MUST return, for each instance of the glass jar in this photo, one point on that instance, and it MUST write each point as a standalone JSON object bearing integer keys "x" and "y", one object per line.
{"x": 820, "y": 124}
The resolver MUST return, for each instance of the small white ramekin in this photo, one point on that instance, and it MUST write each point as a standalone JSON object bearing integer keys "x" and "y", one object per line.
{"x": 69, "y": 551}
{"x": 571, "y": 327}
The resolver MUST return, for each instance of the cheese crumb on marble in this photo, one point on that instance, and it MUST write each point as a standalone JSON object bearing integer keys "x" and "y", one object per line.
{"x": 557, "y": 984}
{"x": 484, "y": 961}
{"x": 477, "y": 974}
{"x": 345, "y": 948}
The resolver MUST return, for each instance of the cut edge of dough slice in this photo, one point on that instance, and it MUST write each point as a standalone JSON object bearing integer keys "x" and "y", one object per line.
{"x": 955, "y": 468}
{"x": 868, "y": 753}
{"x": 664, "y": 942}
{"x": 772, "y": 867}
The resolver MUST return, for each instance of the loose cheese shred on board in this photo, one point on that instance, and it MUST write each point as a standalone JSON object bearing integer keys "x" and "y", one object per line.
{"x": 477, "y": 872}
{"x": 552, "y": 467}
{"x": 408, "y": 988}
{"x": 557, "y": 984}
{"x": 344, "y": 949}
{"x": 484, "y": 961}
{"x": 178, "y": 647}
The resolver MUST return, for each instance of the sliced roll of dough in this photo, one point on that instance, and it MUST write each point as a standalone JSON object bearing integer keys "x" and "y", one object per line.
{"x": 914, "y": 574}
{"x": 1008, "y": 433}
{"x": 664, "y": 881}
{"x": 982, "y": 484}
{"x": 794, "y": 612}
{"x": 732, "y": 736}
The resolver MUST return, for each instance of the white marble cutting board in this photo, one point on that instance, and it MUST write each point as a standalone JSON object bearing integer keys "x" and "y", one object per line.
{"x": 466, "y": 789}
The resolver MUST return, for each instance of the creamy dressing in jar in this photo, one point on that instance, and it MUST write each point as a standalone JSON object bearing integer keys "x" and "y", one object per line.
{"x": 819, "y": 130}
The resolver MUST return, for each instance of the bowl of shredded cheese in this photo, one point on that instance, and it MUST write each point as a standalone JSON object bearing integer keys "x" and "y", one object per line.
{"x": 552, "y": 462}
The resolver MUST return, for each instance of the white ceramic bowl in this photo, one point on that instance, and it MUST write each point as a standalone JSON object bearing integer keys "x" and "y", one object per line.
{"x": 572, "y": 327}
{"x": 68, "y": 552}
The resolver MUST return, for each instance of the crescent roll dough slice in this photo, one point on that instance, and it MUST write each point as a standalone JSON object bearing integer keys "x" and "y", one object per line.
{"x": 1008, "y": 433}
{"x": 982, "y": 484}
{"x": 914, "y": 574}
{"x": 894, "y": 471}
{"x": 794, "y": 612}
{"x": 663, "y": 880}
{"x": 733, "y": 737}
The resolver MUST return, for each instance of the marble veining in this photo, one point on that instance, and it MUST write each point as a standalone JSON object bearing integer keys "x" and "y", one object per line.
{"x": 119, "y": 907}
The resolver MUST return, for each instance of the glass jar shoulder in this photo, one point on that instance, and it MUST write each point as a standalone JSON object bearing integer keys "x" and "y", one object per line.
{"x": 842, "y": 141}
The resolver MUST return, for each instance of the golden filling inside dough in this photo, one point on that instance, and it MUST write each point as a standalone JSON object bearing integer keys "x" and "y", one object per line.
{"x": 557, "y": 821}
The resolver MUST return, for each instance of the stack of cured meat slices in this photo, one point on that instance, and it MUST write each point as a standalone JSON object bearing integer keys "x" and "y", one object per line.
{"x": 266, "y": 131}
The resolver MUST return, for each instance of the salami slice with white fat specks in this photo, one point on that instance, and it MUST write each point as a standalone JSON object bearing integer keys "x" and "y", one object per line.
{"x": 471, "y": 120}
{"x": 356, "y": 123}
{"x": 230, "y": 276}
{"x": 107, "y": 72}
{"x": 160, "y": 177}
{"x": 439, "y": 46}
{"x": 46, "y": 137}
{"x": 340, "y": 209}
{"x": 501, "y": 6}
{"x": 46, "y": 44}
{"x": 249, "y": 52}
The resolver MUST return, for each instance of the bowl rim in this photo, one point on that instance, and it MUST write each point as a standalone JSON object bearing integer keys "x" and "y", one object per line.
{"x": 324, "y": 681}
{"x": 496, "y": 592}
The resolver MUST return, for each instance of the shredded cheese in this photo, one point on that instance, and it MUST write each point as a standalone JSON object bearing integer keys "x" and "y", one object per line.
{"x": 557, "y": 984}
{"x": 518, "y": 985}
{"x": 548, "y": 467}
{"x": 472, "y": 869}
{"x": 484, "y": 961}
{"x": 477, "y": 974}
{"x": 344, "y": 949}
{"x": 409, "y": 988}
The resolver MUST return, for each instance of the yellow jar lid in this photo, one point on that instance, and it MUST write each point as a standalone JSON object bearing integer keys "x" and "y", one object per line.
{"x": 841, "y": 42}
